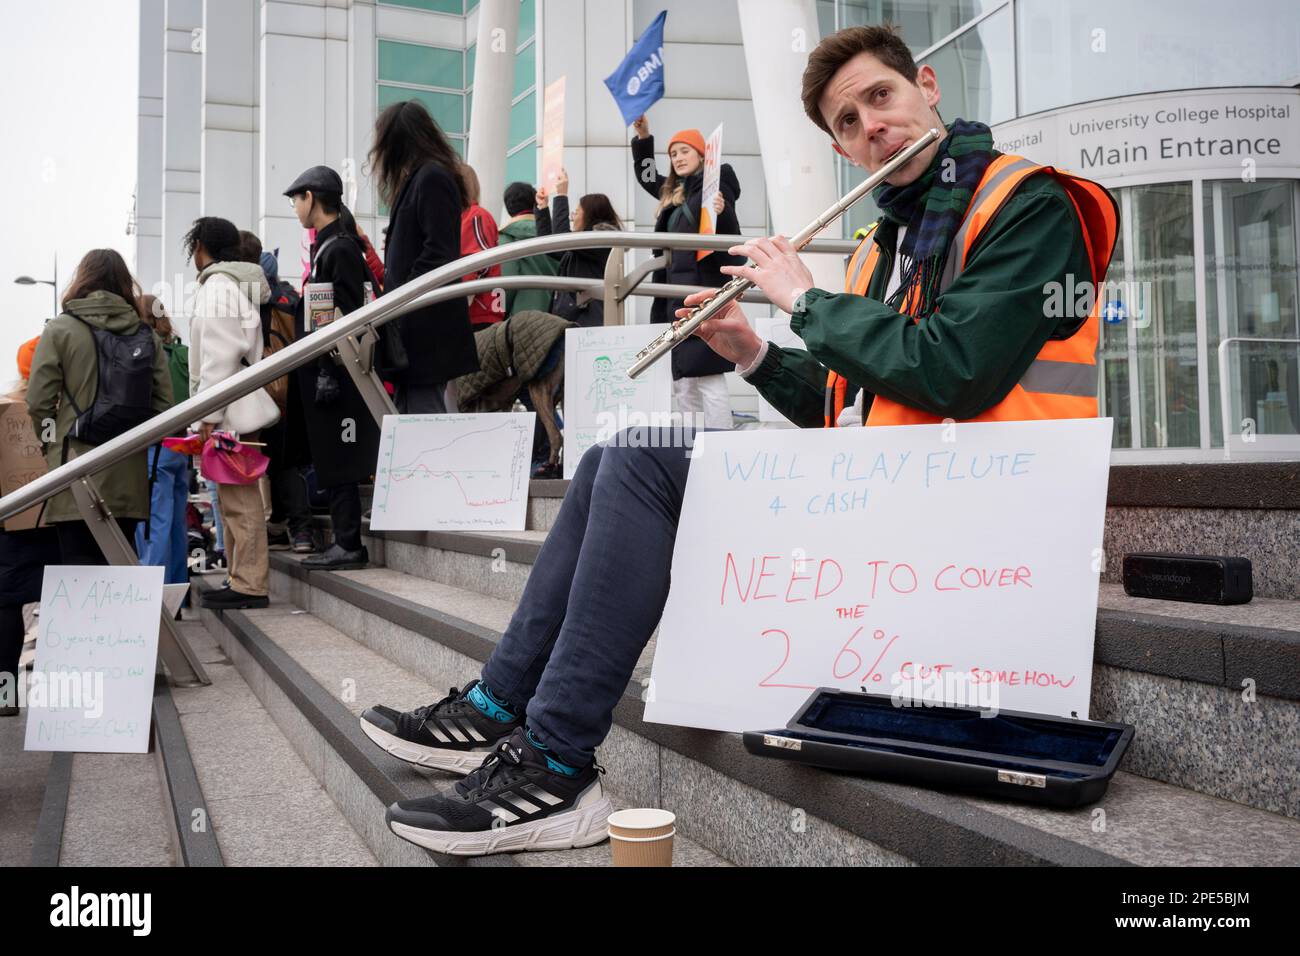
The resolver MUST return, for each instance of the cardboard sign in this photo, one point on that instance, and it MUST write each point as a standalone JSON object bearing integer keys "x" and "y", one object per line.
{"x": 21, "y": 460}
{"x": 91, "y": 689}
{"x": 712, "y": 180}
{"x": 775, "y": 329}
{"x": 453, "y": 472}
{"x": 552, "y": 133}
{"x": 933, "y": 562}
{"x": 599, "y": 399}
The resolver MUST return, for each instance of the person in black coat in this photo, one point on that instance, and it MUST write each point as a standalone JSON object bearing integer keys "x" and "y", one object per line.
{"x": 594, "y": 211}
{"x": 418, "y": 176}
{"x": 341, "y": 432}
{"x": 698, "y": 383}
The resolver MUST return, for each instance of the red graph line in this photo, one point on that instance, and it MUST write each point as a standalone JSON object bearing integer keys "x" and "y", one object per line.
{"x": 464, "y": 497}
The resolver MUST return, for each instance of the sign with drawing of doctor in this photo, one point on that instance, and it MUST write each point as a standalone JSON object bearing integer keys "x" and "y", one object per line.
{"x": 607, "y": 391}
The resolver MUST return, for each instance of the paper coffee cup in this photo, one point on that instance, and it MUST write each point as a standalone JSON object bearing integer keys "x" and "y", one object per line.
{"x": 642, "y": 837}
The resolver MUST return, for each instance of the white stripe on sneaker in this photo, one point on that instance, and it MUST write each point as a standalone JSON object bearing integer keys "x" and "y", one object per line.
{"x": 438, "y": 735}
{"x": 468, "y": 728}
{"x": 537, "y": 793}
{"x": 452, "y": 729}
{"x": 522, "y": 804}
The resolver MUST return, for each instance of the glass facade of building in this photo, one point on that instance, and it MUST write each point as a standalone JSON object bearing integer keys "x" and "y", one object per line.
{"x": 1207, "y": 258}
{"x": 443, "y": 79}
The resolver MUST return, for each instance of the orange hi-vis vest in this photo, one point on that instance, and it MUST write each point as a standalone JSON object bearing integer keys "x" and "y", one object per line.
{"x": 1062, "y": 381}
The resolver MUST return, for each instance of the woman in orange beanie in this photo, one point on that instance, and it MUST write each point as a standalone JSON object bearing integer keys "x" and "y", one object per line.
{"x": 25, "y": 353}
{"x": 698, "y": 383}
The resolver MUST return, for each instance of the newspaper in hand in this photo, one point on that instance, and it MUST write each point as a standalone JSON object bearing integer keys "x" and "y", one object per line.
{"x": 318, "y": 305}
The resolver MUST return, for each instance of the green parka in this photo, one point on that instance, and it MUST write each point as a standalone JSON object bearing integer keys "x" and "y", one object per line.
{"x": 522, "y": 300}
{"x": 66, "y": 362}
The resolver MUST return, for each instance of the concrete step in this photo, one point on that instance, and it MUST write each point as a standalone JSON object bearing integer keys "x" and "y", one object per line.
{"x": 23, "y": 786}
{"x": 760, "y": 812}
{"x": 315, "y": 681}
{"x": 263, "y": 805}
{"x": 1245, "y": 508}
{"x": 103, "y": 809}
{"x": 1176, "y": 671}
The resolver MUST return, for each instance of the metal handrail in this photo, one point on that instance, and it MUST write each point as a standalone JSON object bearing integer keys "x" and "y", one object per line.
{"x": 425, "y": 290}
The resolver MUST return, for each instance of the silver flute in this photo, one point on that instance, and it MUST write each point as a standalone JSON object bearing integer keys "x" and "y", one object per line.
{"x": 682, "y": 329}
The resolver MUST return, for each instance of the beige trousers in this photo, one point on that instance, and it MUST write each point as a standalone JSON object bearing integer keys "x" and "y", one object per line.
{"x": 244, "y": 522}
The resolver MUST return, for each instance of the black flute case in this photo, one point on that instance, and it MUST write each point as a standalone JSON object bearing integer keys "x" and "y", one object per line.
{"x": 1053, "y": 761}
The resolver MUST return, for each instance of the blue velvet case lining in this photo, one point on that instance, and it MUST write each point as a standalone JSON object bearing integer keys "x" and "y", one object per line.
{"x": 1004, "y": 740}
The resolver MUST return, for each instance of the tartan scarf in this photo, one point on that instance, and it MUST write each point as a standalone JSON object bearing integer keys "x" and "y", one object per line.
{"x": 932, "y": 207}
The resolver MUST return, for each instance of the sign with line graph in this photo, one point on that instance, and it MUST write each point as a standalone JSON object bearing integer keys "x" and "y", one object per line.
{"x": 453, "y": 472}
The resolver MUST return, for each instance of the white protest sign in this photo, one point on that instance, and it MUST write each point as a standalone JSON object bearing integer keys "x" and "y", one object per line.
{"x": 453, "y": 472}
{"x": 91, "y": 688}
{"x": 709, "y": 188}
{"x": 775, "y": 329}
{"x": 599, "y": 399}
{"x": 965, "y": 557}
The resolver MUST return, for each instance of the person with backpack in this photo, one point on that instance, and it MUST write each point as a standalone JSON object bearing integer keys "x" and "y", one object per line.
{"x": 286, "y": 441}
{"x": 341, "y": 431}
{"x": 162, "y": 539}
{"x": 226, "y": 338}
{"x": 522, "y": 225}
{"x": 75, "y": 405}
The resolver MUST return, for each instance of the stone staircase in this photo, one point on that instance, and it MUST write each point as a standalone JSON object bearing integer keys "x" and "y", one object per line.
{"x": 281, "y": 770}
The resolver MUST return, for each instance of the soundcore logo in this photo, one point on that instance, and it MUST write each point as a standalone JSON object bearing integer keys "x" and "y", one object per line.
{"x": 102, "y": 909}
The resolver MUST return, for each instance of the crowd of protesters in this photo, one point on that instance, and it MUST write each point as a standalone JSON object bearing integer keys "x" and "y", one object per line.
{"x": 313, "y": 425}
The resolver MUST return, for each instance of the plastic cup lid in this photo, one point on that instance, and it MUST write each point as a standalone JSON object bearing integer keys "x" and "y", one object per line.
{"x": 647, "y": 818}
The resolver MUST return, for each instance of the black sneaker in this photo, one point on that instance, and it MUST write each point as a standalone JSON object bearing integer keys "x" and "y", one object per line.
{"x": 451, "y": 735}
{"x": 337, "y": 558}
{"x": 228, "y": 599}
{"x": 278, "y": 541}
{"x": 515, "y": 801}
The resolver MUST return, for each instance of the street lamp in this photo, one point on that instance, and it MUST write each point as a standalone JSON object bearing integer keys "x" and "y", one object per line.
{"x": 28, "y": 280}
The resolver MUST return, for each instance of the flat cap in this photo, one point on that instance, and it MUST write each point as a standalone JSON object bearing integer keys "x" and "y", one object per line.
{"x": 318, "y": 179}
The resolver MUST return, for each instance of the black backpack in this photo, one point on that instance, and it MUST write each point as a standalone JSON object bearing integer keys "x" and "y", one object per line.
{"x": 124, "y": 393}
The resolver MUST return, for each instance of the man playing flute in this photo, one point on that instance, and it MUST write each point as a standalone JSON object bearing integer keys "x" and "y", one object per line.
{"x": 944, "y": 316}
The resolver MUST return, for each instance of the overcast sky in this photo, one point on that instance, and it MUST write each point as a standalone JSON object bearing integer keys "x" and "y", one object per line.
{"x": 68, "y": 69}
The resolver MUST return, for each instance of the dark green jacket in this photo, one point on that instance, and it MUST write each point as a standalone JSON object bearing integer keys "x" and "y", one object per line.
{"x": 521, "y": 300}
{"x": 965, "y": 357}
{"x": 66, "y": 362}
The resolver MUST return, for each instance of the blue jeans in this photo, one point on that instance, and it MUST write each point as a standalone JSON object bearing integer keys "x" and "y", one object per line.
{"x": 218, "y": 539}
{"x": 595, "y": 593}
{"x": 167, "y": 543}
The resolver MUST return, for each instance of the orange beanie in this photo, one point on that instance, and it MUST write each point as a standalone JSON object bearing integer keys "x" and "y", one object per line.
{"x": 25, "y": 353}
{"x": 691, "y": 137}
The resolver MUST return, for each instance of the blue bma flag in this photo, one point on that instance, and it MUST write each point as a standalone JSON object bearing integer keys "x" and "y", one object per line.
{"x": 639, "y": 80}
